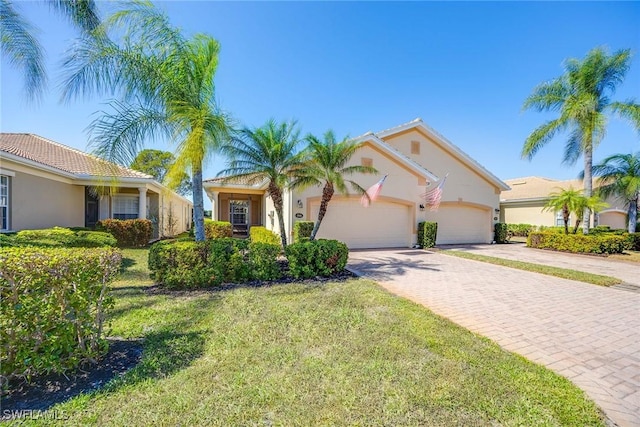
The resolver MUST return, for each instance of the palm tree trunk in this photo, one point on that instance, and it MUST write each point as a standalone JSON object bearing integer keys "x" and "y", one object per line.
{"x": 198, "y": 204}
{"x": 633, "y": 215}
{"x": 588, "y": 184}
{"x": 276, "y": 196}
{"x": 327, "y": 194}
{"x": 575, "y": 229}
{"x": 565, "y": 218}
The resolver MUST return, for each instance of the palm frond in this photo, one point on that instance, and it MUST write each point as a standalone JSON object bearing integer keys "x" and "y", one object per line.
{"x": 542, "y": 135}
{"x": 82, "y": 13}
{"x": 628, "y": 110}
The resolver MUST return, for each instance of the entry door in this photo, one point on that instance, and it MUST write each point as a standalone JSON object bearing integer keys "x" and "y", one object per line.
{"x": 239, "y": 216}
{"x": 91, "y": 208}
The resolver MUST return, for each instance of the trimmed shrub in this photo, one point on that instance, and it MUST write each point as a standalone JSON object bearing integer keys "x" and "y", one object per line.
{"x": 60, "y": 237}
{"x": 500, "y": 232}
{"x": 633, "y": 241}
{"x": 302, "y": 230}
{"x": 53, "y": 307}
{"x": 316, "y": 258}
{"x": 604, "y": 243}
{"x": 427, "y": 233}
{"x": 520, "y": 230}
{"x": 263, "y": 260}
{"x": 130, "y": 233}
{"x": 262, "y": 235}
{"x": 217, "y": 229}
{"x": 553, "y": 229}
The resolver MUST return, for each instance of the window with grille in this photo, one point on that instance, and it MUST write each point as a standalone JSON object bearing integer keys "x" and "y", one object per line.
{"x": 125, "y": 207}
{"x": 4, "y": 202}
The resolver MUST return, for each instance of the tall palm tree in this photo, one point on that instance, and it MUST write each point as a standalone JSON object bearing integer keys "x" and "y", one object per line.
{"x": 166, "y": 89}
{"x": 23, "y": 50}
{"x": 582, "y": 98}
{"x": 326, "y": 167}
{"x": 268, "y": 153}
{"x": 565, "y": 200}
{"x": 619, "y": 175}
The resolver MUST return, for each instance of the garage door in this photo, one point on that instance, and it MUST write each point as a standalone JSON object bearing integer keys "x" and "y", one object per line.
{"x": 381, "y": 225}
{"x": 462, "y": 224}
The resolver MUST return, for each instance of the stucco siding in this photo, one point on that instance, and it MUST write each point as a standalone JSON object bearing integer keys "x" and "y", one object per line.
{"x": 614, "y": 219}
{"x": 528, "y": 215}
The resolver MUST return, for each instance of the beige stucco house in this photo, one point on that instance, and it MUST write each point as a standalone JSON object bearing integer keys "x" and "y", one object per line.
{"x": 45, "y": 184}
{"x": 415, "y": 157}
{"x": 524, "y": 203}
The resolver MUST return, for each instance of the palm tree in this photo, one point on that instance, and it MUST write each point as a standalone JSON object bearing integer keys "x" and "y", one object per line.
{"x": 592, "y": 204}
{"x": 326, "y": 167}
{"x": 565, "y": 200}
{"x": 268, "y": 153}
{"x": 23, "y": 50}
{"x": 582, "y": 97}
{"x": 619, "y": 175}
{"x": 166, "y": 87}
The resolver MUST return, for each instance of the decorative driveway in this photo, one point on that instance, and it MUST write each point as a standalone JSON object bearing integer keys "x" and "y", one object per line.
{"x": 587, "y": 333}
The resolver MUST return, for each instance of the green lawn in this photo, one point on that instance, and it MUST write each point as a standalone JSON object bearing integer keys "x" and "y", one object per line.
{"x": 564, "y": 273}
{"x": 314, "y": 354}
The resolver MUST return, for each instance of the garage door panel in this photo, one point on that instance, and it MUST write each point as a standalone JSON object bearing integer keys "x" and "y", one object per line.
{"x": 381, "y": 225}
{"x": 462, "y": 224}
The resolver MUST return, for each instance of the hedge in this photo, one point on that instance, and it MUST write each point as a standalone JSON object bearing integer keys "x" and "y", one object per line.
{"x": 316, "y": 258}
{"x": 217, "y": 229}
{"x": 53, "y": 307}
{"x": 633, "y": 241}
{"x": 427, "y": 233}
{"x": 191, "y": 265}
{"x": 520, "y": 230}
{"x": 130, "y": 233}
{"x": 578, "y": 243}
{"x": 59, "y": 237}
{"x": 500, "y": 232}
{"x": 259, "y": 234}
{"x": 302, "y": 230}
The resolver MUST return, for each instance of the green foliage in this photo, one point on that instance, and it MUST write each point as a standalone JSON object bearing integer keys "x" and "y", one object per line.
{"x": 157, "y": 163}
{"x": 427, "y": 234}
{"x": 633, "y": 241}
{"x": 260, "y": 234}
{"x": 60, "y": 237}
{"x": 316, "y": 258}
{"x": 130, "y": 233}
{"x": 578, "y": 243}
{"x": 520, "y": 230}
{"x": 191, "y": 265}
{"x": 302, "y": 230}
{"x": 217, "y": 229}
{"x": 500, "y": 231}
{"x": 53, "y": 307}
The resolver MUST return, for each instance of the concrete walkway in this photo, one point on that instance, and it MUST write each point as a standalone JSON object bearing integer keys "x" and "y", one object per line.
{"x": 628, "y": 272}
{"x": 587, "y": 333}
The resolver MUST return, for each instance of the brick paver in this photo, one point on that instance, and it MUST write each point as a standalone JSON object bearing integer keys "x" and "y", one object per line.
{"x": 589, "y": 334}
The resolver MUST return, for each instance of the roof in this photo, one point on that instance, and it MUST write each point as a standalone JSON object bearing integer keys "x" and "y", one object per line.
{"x": 536, "y": 187}
{"x": 418, "y": 123}
{"x": 60, "y": 157}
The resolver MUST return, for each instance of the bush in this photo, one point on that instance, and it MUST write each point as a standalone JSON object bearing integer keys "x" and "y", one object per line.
{"x": 553, "y": 229}
{"x": 316, "y": 258}
{"x": 578, "y": 243}
{"x": 633, "y": 241}
{"x": 427, "y": 233}
{"x": 262, "y": 235}
{"x": 302, "y": 230}
{"x": 53, "y": 307}
{"x": 520, "y": 230}
{"x": 60, "y": 237}
{"x": 191, "y": 265}
{"x": 130, "y": 233}
{"x": 217, "y": 229}
{"x": 500, "y": 231}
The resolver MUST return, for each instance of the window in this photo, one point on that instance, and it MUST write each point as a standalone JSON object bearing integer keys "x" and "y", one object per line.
{"x": 4, "y": 202}
{"x": 415, "y": 147}
{"x": 367, "y": 162}
{"x": 125, "y": 207}
{"x": 560, "y": 219}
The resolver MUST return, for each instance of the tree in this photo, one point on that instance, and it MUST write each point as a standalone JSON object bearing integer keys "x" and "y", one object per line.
{"x": 23, "y": 50}
{"x": 326, "y": 167}
{"x": 619, "y": 175}
{"x": 565, "y": 200}
{"x": 592, "y": 204}
{"x": 582, "y": 96}
{"x": 268, "y": 153}
{"x": 166, "y": 89}
{"x": 157, "y": 163}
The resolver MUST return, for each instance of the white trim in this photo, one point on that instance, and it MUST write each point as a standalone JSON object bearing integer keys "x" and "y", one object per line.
{"x": 8, "y": 206}
{"x": 6, "y": 172}
{"x": 610, "y": 210}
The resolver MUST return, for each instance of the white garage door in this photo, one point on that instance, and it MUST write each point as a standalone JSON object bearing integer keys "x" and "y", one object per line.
{"x": 462, "y": 224}
{"x": 381, "y": 225}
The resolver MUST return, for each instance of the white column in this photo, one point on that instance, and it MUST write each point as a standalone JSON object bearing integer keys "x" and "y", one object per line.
{"x": 214, "y": 205}
{"x": 142, "y": 203}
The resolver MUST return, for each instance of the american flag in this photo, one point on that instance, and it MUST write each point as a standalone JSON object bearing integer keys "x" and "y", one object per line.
{"x": 434, "y": 196}
{"x": 373, "y": 192}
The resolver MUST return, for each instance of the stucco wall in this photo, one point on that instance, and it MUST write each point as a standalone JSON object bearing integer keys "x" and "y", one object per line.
{"x": 528, "y": 215}
{"x": 614, "y": 219}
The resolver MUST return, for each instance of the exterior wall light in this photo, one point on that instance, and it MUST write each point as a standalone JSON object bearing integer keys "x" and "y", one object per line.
{"x": 299, "y": 204}
{"x": 421, "y": 208}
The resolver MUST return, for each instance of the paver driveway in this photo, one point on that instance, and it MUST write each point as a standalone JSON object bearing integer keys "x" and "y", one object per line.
{"x": 590, "y": 334}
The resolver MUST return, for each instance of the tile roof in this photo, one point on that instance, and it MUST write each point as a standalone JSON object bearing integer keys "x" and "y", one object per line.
{"x": 55, "y": 155}
{"x": 534, "y": 187}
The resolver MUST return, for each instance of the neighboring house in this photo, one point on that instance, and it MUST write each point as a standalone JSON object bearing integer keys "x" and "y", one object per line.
{"x": 45, "y": 184}
{"x": 524, "y": 203}
{"x": 414, "y": 157}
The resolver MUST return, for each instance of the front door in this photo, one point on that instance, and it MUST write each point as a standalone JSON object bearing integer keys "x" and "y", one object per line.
{"x": 239, "y": 216}
{"x": 91, "y": 208}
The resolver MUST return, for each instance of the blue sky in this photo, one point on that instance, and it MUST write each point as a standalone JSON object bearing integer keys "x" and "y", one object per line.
{"x": 463, "y": 67}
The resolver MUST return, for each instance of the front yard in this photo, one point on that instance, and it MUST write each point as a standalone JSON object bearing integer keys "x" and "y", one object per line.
{"x": 337, "y": 353}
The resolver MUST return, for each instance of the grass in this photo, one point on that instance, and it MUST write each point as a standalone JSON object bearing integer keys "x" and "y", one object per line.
{"x": 630, "y": 256}
{"x": 342, "y": 353}
{"x": 564, "y": 273}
